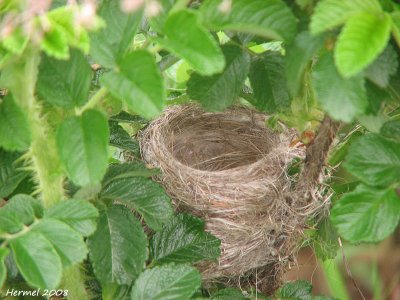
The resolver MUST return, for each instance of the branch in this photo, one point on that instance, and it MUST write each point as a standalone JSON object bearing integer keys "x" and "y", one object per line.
{"x": 316, "y": 155}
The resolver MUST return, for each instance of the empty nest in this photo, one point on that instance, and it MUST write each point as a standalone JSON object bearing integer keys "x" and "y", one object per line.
{"x": 230, "y": 170}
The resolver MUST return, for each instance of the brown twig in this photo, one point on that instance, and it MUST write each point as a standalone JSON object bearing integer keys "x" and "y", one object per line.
{"x": 316, "y": 155}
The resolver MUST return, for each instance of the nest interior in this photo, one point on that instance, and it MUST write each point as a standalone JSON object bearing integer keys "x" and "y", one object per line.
{"x": 230, "y": 170}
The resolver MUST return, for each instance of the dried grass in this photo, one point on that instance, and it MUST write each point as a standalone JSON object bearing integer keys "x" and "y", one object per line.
{"x": 231, "y": 171}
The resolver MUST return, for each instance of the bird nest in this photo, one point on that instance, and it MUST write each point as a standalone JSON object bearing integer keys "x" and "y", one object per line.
{"x": 230, "y": 170}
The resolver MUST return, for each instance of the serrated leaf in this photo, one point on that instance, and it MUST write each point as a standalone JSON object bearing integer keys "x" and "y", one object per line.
{"x": 351, "y": 54}
{"x": 26, "y": 208}
{"x": 15, "y": 133}
{"x": 81, "y": 215}
{"x": 124, "y": 117}
{"x": 343, "y": 99}
{"x": 110, "y": 44}
{"x": 82, "y": 143}
{"x": 184, "y": 240}
{"x": 331, "y": 13}
{"x": 367, "y": 214}
{"x": 138, "y": 84}
{"x": 384, "y": 66}
{"x": 391, "y": 129}
{"x": 172, "y": 282}
{"x": 64, "y": 17}
{"x": 268, "y": 81}
{"x": 10, "y": 173}
{"x": 121, "y": 139}
{"x": 194, "y": 44}
{"x": 3, "y": 271}
{"x": 375, "y": 160}
{"x": 229, "y": 294}
{"x": 16, "y": 41}
{"x": 298, "y": 56}
{"x": 55, "y": 42}
{"x": 221, "y": 90}
{"x": 67, "y": 242}
{"x": 132, "y": 188}
{"x": 299, "y": 289}
{"x": 64, "y": 83}
{"x": 118, "y": 248}
{"x": 127, "y": 170}
{"x": 268, "y": 18}
{"x": 37, "y": 260}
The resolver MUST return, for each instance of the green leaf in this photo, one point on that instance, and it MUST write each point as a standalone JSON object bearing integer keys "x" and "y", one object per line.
{"x": 121, "y": 139}
{"x": 138, "y": 84}
{"x": 194, "y": 44}
{"x": 81, "y": 215}
{"x": 9, "y": 222}
{"x": 391, "y": 129}
{"x": 351, "y": 54}
{"x": 271, "y": 19}
{"x": 55, "y": 42}
{"x": 131, "y": 187}
{"x": 16, "y": 41}
{"x": 229, "y": 294}
{"x": 26, "y": 208}
{"x": 37, "y": 260}
{"x": 184, "y": 240}
{"x": 3, "y": 271}
{"x": 15, "y": 133}
{"x": 221, "y": 90}
{"x": 67, "y": 242}
{"x": 375, "y": 160}
{"x": 299, "y": 289}
{"x": 342, "y": 98}
{"x": 109, "y": 45}
{"x": 157, "y": 22}
{"x": 172, "y": 282}
{"x": 82, "y": 143}
{"x": 298, "y": 56}
{"x": 124, "y": 117}
{"x": 64, "y": 18}
{"x": 325, "y": 243}
{"x": 268, "y": 81}
{"x": 10, "y": 173}
{"x": 331, "y": 13}
{"x": 367, "y": 214}
{"x": 118, "y": 248}
{"x": 384, "y": 66}
{"x": 64, "y": 83}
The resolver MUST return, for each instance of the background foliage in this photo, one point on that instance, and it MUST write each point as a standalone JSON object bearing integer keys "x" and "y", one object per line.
{"x": 78, "y": 80}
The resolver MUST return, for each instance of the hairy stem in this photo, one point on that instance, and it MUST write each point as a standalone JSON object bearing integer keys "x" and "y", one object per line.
{"x": 20, "y": 77}
{"x": 73, "y": 283}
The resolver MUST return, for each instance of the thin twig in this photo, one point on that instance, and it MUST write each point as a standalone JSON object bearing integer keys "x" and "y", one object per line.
{"x": 346, "y": 265}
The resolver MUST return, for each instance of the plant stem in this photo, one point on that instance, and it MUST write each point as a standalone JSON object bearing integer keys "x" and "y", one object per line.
{"x": 20, "y": 77}
{"x": 73, "y": 282}
{"x": 94, "y": 100}
{"x": 335, "y": 280}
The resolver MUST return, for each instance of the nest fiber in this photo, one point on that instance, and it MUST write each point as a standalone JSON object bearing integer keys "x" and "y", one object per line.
{"x": 230, "y": 170}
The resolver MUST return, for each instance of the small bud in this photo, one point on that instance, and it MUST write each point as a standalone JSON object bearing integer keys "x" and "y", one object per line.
{"x": 131, "y": 5}
{"x": 153, "y": 8}
{"x": 87, "y": 15}
{"x": 225, "y": 6}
